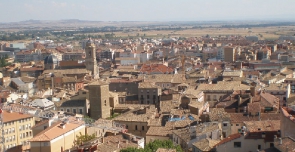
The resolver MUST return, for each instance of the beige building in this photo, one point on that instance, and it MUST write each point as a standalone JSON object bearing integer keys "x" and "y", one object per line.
{"x": 229, "y": 54}
{"x": 137, "y": 120}
{"x": 287, "y": 122}
{"x": 214, "y": 92}
{"x": 59, "y": 136}
{"x": 149, "y": 93}
{"x": 17, "y": 128}
{"x": 157, "y": 133}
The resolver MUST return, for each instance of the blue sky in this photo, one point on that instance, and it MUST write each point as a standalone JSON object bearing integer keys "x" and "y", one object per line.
{"x": 146, "y": 10}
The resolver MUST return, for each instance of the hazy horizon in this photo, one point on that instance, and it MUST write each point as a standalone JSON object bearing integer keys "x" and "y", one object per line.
{"x": 151, "y": 11}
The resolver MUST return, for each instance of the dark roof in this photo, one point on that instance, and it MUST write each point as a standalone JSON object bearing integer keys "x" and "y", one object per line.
{"x": 50, "y": 59}
{"x": 73, "y": 103}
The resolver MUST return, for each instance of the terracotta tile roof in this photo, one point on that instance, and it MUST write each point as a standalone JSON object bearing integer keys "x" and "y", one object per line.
{"x": 254, "y": 107}
{"x": 229, "y": 138}
{"x": 206, "y": 144}
{"x": 156, "y": 68}
{"x": 158, "y": 131}
{"x": 13, "y": 116}
{"x": 270, "y": 100}
{"x": 240, "y": 117}
{"x": 115, "y": 143}
{"x": 71, "y": 64}
{"x": 54, "y": 131}
{"x": 288, "y": 144}
{"x": 261, "y": 126}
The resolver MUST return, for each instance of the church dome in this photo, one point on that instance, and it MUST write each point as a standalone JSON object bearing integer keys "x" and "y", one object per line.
{"x": 50, "y": 59}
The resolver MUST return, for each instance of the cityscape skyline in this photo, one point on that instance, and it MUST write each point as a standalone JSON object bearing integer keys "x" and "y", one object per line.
{"x": 131, "y": 10}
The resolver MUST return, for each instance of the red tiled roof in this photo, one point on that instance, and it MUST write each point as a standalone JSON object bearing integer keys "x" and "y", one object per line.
{"x": 229, "y": 138}
{"x": 149, "y": 68}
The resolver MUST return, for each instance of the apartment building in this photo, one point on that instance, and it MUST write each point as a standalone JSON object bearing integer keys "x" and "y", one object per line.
{"x": 59, "y": 136}
{"x": 149, "y": 93}
{"x": 17, "y": 128}
{"x": 73, "y": 56}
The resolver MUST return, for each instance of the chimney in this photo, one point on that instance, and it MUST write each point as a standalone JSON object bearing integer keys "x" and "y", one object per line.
{"x": 50, "y": 121}
{"x": 119, "y": 144}
{"x": 281, "y": 141}
{"x": 252, "y": 90}
{"x": 263, "y": 135}
{"x": 239, "y": 100}
{"x": 102, "y": 140}
{"x": 63, "y": 126}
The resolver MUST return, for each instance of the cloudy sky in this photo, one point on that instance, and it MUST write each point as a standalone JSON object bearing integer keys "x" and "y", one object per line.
{"x": 146, "y": 10}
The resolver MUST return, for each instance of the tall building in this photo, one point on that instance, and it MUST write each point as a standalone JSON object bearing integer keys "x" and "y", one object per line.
{"x": 50, "y": 62}
{"x": 229, "y": 54}
{"x": 17, "y": 129}
{"x": 99, "y": 100}
{"x": 90, "y": 61}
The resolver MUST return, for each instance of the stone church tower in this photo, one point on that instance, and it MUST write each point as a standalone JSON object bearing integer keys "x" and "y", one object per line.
{"x": 99, "y": 99}
{"x": 90, "y": 61}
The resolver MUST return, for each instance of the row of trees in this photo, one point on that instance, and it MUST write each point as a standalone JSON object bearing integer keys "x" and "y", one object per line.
{"x": 3, "y": 61}
{"x": 153, "y": 146}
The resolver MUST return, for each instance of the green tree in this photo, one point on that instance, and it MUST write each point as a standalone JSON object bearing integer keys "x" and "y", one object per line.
{"x": 132, "y": 149}
{"x": 153, "y": 146}
{"x": 80, "y": 139}
{"x": 88, "y": 120}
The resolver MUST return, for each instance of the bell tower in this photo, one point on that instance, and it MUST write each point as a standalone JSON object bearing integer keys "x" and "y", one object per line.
{"x": 90, "y": 61}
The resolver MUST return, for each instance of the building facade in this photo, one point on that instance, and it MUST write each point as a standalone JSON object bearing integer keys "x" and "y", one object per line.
{"x": 99, "y": 100}
{"x": 17, "y": 128}
{"x": 90, "y": 61}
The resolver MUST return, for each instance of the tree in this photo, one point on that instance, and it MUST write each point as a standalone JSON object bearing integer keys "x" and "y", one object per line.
{"x": 80, "y": 139}
{"x": 132, "y": 149}
{"x": 153, "y": 146}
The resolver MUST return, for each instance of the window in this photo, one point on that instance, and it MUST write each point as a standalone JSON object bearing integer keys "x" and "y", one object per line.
{"x": 147, "y": 96}
{"x": 237, "y": 144}
{"x": 68, "y": 110}
{"x": 237, "y": 124}
{"x": 81, "y": 111}
{"x": 225, "y": 124}
{"x": 154, "y": 91}
{"x": 126, "y": 126}
{"x": 271, "y": 145}
{"x": 259, "y": 147}
{"x": 141, "y": 91}
{"x": 74, "y": 110}
{"x": 208, "y": 98}
{"x": 142, "y": 128}
{"x": 154, "y": 96}
{"x": 141, "y": 96}
{"x": 135, "y": 127}
{"x": 61, "y": 109}
{"x": 148, "y": 91}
